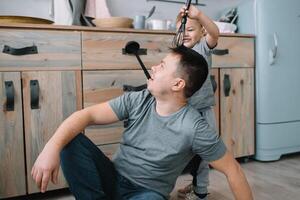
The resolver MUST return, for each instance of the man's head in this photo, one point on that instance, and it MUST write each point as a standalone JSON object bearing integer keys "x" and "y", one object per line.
{"x": 194, "y": 31}
{"x": 182, "y": 71}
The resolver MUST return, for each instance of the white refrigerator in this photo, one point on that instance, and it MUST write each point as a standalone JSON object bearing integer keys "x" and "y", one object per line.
{"x": 276, "y": 25}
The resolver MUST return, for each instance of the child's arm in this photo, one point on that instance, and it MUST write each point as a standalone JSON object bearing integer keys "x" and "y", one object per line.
{"x": 211, "y": 28}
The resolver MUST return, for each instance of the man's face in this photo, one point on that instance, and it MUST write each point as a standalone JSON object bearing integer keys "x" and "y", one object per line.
{"x": 193, "y": 32}
{"x": 163, "y": 75}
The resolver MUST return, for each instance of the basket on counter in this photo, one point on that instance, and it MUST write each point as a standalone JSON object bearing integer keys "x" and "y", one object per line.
{"x": 5, "y": 19}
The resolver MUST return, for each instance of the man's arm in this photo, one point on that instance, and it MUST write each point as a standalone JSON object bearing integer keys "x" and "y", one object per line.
{"x": 235, "y": 176}
{"x": 46, "y": 166}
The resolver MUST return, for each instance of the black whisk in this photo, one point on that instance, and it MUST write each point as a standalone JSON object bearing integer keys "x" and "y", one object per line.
{"x": 178, "y": 38}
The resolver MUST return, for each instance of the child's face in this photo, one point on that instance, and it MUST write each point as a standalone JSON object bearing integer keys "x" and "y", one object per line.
{"x": 193, "y": 32}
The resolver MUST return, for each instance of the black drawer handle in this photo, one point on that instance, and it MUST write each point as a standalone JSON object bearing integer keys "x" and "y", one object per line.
{"x": 34, "y": 94}
{"x": 227, "y": 85}
{"x": 20, "y": 52}
{"x": 140, "y": 52}
{"x": 129, "y": 88}
{"x": 213, "y": 83}
{"x": 10, "y": 95}
{"x": 220, "y": 52}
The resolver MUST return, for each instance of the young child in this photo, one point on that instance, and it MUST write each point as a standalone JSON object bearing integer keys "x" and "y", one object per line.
{"x": 201, "y": 34}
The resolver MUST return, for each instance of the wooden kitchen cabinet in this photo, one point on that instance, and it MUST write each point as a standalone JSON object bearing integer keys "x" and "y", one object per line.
{"x": 71, "y": 67}
{"x": 48, "y": 98}
{"x": 12, "y": 160}
{"x": 58, "y": 95}
{"x": 233, "y": 64}
{"x": 237, "y": 110}
{"x": 44, "y": 69}
{"x": 214, "y": 74}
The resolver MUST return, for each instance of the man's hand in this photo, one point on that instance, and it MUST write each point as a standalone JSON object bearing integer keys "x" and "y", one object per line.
{"x": 46, "y": 168}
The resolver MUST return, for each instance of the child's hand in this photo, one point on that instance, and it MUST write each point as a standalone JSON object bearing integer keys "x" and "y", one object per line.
{"x": 193, "y": 12}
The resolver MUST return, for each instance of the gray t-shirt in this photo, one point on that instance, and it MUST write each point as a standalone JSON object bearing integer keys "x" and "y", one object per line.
{"x": 204, "y": 97}
{"x": 155, "y": 149}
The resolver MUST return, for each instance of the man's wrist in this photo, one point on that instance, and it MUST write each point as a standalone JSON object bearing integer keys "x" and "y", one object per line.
{"x": 53, "y": 145}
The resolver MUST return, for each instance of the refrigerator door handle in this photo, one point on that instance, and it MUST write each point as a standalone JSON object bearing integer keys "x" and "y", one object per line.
{"x": 273, "y": 51}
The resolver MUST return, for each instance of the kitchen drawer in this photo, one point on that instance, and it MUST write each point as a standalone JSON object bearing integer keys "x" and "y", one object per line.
{"x": 104, "y": 50}
{"x": 101, "y": 86}
{"x": 45, "y": 50}
{"x": 234, "y": 52}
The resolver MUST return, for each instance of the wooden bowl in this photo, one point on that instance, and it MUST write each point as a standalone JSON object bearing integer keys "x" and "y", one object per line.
{"x": 113, "y": 22}
{"x": 4, "y": 19}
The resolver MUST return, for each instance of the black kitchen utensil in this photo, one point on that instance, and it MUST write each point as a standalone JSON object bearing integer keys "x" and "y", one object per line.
{"x": 178, "y": 38}
{"x": 132, "y": 47}
{"x": 151, "y": 12}
{"x": 180, "y": 2}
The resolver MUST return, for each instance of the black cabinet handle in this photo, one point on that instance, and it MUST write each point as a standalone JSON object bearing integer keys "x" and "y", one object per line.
{"x": 213, "y": 83}
{"x": 140, "y": 52}
{"x": 129, "y": 88}
{"x": 21, "y": 51}
{"x": 220, "y": 52}
{"x": 34, "y": 94}
{"x": 227, "y": 85}
{"x": 10, "y": 95}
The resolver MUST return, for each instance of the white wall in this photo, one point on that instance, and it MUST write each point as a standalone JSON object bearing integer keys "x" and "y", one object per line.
{"x": 32, "y": 8}
{"x": 40, "y": 8}
{"x": 165, "y": 10}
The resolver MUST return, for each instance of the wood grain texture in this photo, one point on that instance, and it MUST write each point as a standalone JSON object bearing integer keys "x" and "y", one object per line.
{"x": 58, "y": 98}
{"x": 56, "y": 50}
{"x": 104, "y": 50}
{"x": 241, "y": 53}
{"x": 101, "y": 86}
{"x": 215, "y": 73}
{"x": 237, "y": 111}
{"x": 12, "y": 162}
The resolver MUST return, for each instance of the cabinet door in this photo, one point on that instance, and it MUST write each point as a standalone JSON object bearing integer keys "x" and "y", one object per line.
{"x": 12, "y": 164}
{"x": 100, "y": 86}
{"x": 49, "y": 98}
{"x": 214, "y": 73}
{"x": 237, "y": 110}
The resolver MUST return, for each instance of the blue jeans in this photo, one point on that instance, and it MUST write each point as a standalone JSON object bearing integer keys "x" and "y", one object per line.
{"x": 91, "y": 175}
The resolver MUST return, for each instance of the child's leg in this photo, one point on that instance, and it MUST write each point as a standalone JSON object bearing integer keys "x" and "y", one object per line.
{"x": 90, "y": 174}
{"x": 201, "y": 179}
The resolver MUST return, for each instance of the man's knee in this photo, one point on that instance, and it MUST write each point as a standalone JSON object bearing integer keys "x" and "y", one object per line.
{"x": 73, "y": 145}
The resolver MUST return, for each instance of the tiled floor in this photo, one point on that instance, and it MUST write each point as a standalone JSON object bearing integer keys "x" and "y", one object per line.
{"x": 269, "y": 181}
